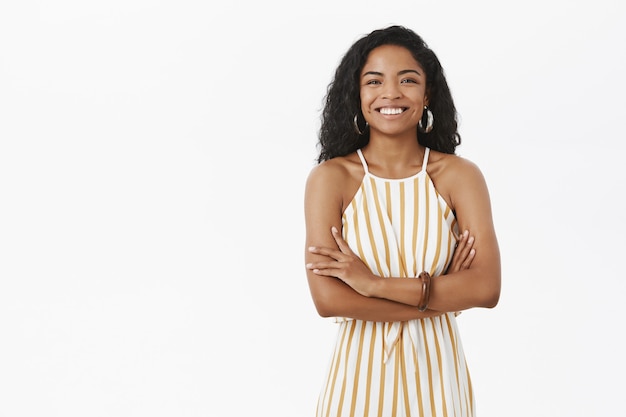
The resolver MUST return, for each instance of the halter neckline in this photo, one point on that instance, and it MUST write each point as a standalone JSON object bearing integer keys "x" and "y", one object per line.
{"x": 367, "y": 172}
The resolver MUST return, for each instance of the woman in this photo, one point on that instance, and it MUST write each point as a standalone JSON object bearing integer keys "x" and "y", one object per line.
{"x": 384, "y": 209}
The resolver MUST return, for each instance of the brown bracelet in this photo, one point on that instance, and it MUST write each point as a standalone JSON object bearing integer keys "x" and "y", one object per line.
{"x": 423, "y": 304}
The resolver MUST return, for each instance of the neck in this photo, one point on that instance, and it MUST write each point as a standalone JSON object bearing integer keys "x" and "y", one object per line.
{"x": 394, "y": 157}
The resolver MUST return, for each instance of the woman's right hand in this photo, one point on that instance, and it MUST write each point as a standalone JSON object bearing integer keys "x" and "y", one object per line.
{"x": 463, "y": 254}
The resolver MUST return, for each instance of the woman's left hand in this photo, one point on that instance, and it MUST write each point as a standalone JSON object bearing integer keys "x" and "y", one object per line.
{"x": 345, "y": 265}
{"x": 464, "y": 253}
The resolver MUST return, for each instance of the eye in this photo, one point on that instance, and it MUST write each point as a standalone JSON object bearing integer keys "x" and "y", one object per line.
{"x": 408, "y": 81}
{"x": 372, "y": 82}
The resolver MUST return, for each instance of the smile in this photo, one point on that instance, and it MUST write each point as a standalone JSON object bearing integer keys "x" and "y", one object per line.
{"x": 392, "y": 111}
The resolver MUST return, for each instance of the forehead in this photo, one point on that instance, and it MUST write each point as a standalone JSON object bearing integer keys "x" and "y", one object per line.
{"x": 392, "y": 57}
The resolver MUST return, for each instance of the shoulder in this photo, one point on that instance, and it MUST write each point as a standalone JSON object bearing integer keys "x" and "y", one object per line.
{"x": 336, "y": 170}
{"x": 335, "y": 179}
{"x": 448, "y": 162}
{"x": 330, "y": 169}
{"x": 452, "y": 166}
{"x": 454, "y": 175}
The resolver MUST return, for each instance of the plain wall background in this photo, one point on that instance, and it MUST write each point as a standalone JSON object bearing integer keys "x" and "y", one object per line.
{"x": 153, "y": 156}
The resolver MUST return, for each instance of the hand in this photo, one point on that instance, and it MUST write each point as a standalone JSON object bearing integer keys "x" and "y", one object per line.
{"x": 344, "y": 264}
{"x": 463, "y": 254}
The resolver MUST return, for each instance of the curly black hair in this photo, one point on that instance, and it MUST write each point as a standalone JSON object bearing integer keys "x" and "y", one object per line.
{"x": 337, "y": 135}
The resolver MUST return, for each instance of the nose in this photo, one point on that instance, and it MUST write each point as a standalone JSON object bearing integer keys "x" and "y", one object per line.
{"x": 391, "y": 91}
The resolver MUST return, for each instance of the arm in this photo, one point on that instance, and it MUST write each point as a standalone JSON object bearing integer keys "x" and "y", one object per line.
{"x": 333, "y": 297}
{"x": 462, "y": 287}
{"x": 323, "y": 204}
{"x": 478, "y": 286}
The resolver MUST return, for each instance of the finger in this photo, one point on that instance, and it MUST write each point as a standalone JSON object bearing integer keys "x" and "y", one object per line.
{"x": 461, "y": 257}
{"x": 468, "y": 260}
{"x": 323, "y": 265}
{"x": 326, "y": 272}
{"x": 462, "y": 243}
{"x": 330, "y": 252}
{"x": 457, "y": 256}
{"x": 467, "y": 254}
{"x": 463, "y": 248}
{"x": 341, "y": 243}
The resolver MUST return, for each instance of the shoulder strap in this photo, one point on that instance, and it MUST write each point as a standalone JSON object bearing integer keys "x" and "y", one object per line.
{"x": 425, "y": 163}
{"x": 362, "y": 158}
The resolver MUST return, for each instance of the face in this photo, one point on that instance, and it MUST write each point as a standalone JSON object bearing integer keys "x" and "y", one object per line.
{"x": 393, "y": 91}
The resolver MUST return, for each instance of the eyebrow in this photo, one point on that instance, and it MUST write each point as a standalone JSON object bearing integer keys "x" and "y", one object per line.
{"x": 399, "y": 72}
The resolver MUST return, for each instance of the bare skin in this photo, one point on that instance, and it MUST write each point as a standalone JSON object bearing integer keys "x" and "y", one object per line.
{"x": 393, "y": 95}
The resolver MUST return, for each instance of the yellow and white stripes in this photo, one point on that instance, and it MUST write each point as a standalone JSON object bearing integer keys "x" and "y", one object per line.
{"x": 399, "y": 369}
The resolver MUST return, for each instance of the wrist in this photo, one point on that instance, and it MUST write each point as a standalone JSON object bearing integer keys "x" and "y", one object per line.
{"x": 375, "y": 287}
{"x": 425, "y": 296}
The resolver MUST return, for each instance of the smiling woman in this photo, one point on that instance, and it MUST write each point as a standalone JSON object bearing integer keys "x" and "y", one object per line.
{"x": 393, "y": 90}
{"x": 388, "y": 207}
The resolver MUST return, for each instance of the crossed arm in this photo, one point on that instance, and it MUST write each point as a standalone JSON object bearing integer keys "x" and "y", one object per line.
{"x": 344, "y": 264}
{"x": 341, "y": 284}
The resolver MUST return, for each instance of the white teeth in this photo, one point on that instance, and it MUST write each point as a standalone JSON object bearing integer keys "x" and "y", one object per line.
{"x": 390, "y": 111}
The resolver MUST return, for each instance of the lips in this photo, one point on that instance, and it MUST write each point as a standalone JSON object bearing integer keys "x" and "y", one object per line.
{"x": 390, "y": 111}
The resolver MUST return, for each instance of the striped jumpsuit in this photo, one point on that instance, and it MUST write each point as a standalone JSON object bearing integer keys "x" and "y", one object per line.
{"x": 417, "y": 368}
